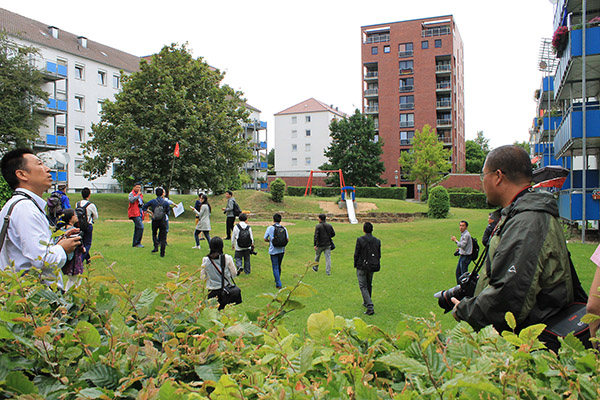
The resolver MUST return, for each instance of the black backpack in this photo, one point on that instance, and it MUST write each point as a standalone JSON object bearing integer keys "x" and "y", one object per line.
{"x": 236, "y": 209}
{"x": 475, "y": 252}
{"x": 54, "y": 204}
{"x": 244, "y": 240}
{"x": 158, "y": 213}
{"x": 279, "y": 236}
{"x": 82, "y": 217}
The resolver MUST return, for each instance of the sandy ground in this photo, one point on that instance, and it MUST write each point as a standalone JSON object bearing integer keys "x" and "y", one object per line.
{"x": 332, "y": 208}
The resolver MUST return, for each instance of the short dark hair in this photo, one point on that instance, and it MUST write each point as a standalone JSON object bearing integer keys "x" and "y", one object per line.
{"x": 229, "y": 192}
{"x": 11, "y": 162}
{"x": 368, "y": 227}
{"x": 323, "y": 217}
{"x": 464, "y": 222}
{"x": 137, "y": 184}
{"x": 513, "y": 161}
{"x": 159, "y": 191}
{"x": 277, "y": 217}
{"x": 85, "y": 192}
{"x": 243, "y": 217}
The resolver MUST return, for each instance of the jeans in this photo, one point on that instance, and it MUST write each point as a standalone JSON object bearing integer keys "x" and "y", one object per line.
{"x": 197, "y": 237}
{"x": 138, "y": 230}
{"x": 365, "y": 281}
{"x": 229, "y": 224}
{"x": 245, "y": 256}
{"x": 276, "y": 260}
{"x": 159, "y": 227}
{"x": 462, "y": 266}
{"x": 327, "y": 251}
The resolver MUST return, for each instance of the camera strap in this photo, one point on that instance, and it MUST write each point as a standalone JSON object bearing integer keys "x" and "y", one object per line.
{"x": 480, "y": 261}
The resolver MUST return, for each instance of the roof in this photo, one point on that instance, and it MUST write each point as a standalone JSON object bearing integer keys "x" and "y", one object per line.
{"x": 311, "y": 105}
{"x": 37, "y": 32}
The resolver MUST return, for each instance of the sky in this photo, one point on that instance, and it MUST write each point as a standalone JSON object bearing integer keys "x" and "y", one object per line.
{"x": 280, "y": 53}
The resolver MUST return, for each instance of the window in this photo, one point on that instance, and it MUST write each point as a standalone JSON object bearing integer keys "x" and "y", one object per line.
{"x": 407, "y": 84}
{"x": 294, "y": 147}
{"x": 100, "y": 101}
{"x": 79, "y": 134}
{"x": 79, "y": 103}
{"x": 407, "y": 102}
{"x": 60, "y": 130}
{"x": 406, "y": 137}
{"x": 307, "y": 118}
{"x": 438, "y": 43}
{"x": 79, "y": 72}
{"x": 294, "y": 120}
{"x": 294, "y": 162}
{"x": 294, "y": 134}
{"x": 116, "y": 81}
{"x": 78, "y": 170}
{"x": 405, "y": 50}
{"x": 374, "y": 50}
{"x": 386, "y": 48}
{"x": 308, "y": 132}
{"x": 307, "y": 161}
{"x": 102, "y": 78}
{"x": 425, "y": 44}
{"x": 407, "y": 120}
{"x": 406, "y": 67}
{"x": 307, "y": 147}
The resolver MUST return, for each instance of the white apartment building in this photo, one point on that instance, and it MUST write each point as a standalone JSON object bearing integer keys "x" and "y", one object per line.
{"x": 255, "y": 132}
{"x": 79, "y": 75}
{"x": 302, "y": 136}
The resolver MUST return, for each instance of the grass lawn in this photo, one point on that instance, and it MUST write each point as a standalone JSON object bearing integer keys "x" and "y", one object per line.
{"x": 417, "y": 256}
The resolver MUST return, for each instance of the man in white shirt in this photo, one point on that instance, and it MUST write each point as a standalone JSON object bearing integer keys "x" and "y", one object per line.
{"x": 242, "y": 242}
{"x": 92, "y": 216}
{"x": 28, "y": 241}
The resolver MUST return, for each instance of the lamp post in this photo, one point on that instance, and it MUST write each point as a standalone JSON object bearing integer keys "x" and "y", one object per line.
{"x": 396, "y": 176}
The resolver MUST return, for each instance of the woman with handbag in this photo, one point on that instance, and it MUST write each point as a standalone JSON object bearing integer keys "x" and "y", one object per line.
{"x": 202, "y": 210}
{"x": 219, "y": 269}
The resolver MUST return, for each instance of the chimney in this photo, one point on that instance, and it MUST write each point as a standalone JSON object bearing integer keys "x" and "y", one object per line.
{"x": 53, "y": 31}
{"x": 82, "y": 40}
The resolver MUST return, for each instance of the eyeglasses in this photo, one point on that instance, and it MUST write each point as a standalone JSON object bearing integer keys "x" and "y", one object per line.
{"x": 483, "y": 174}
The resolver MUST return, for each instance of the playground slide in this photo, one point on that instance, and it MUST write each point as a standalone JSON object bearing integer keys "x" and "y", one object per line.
{"x": 351, "y": 214}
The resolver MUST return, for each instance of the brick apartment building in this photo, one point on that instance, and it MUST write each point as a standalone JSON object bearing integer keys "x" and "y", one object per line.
{"x": 413, "y": 75}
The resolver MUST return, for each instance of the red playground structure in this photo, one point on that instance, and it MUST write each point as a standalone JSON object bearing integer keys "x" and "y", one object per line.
{"x": 308, "y": 189}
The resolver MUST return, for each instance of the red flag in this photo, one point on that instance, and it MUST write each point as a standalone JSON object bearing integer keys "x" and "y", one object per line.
{"x": 176, "y": 153}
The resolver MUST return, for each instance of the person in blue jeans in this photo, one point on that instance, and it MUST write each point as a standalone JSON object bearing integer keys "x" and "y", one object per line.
{"x": 276, "y": 253}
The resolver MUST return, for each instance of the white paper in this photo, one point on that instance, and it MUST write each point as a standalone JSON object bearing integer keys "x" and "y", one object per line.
{"x": 596, "y": 257}
{"x": 178, "y": 210}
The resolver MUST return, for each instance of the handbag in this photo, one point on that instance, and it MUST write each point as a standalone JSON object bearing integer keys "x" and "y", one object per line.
{"x": 332, "y": 246}
{"x": 230, "y": 293}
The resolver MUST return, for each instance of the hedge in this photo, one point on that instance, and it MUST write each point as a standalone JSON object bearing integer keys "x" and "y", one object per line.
{"x": 398, "y": 193}
{"x": 468, "y": 200}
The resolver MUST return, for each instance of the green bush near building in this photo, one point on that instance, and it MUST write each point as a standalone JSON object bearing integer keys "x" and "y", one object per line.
{"x": 277, "y": 190}
{"x": 398, "y": 193}
{"x": 439, "y": 202}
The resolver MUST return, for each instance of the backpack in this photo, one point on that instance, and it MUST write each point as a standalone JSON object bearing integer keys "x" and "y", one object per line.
{"x": 475, "y": 252}
{"x": 158, "y": 213}
{"x": 82, "y": 217}
{"x": 54, "y": 204}
{"x": 236, "y": 209}
{"x": 244, "y": 240}
{"x": 279, "y": 236}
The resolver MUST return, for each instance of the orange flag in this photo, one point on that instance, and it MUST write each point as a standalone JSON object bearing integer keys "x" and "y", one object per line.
{"x": 176, "y": 153}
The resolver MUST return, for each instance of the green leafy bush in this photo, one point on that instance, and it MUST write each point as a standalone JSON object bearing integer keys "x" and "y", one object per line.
{"x": 277, "y": 190}
{"x": 439, "y": 202}
{"x": 468, "y": 200}
{"x": 361, "y": 192}
{"x": 463, "y": 190}
{"x": 5, "y": 191}
{"x": 103, "y": 340}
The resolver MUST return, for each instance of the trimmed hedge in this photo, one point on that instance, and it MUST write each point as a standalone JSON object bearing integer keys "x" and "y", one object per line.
{"x": 398, "y": 193}
{"x": 468, "y": 200}
{"x": 439, "y": 204}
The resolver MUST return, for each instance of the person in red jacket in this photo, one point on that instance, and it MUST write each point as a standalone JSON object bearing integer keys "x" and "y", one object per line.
{"x": 135, "y": 213}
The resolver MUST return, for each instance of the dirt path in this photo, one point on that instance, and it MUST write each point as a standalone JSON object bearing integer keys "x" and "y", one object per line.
{"x": 332, "y": 208}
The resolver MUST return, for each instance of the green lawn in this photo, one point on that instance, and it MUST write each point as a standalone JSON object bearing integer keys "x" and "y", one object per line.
{"x": 417, "y": 256}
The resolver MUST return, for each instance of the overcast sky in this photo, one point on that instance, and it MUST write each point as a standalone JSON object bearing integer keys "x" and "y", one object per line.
{"x": 280, "y": 53}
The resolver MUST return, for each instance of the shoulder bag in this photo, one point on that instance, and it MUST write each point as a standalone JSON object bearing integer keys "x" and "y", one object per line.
{"x": 230, "y": 293}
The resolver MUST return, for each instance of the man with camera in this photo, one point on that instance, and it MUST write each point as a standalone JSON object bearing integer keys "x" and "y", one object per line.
{"x": 528, "y": 270}
{"x": 26, "y": 240}
{"x": 465, "y": 249}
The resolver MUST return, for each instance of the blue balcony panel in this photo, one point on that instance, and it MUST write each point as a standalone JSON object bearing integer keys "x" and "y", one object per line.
{"x": 263, "y": 124}
{"x": 263, "y": 165}
{"x": 570, "y": 207}
{"x": 53, "y": 173}
{"x": 592, "y": 41}
{"x": 552, "y": 123}
{"x": 62, "y": 70}
{"x": 61, "y": 140}
{"x": 51, "y": 103}
{"x": 51, "y": 67}
{"x": 50, "y": 139}
{"x": 62, "y": 175}
{"x": 543, "y": 148}
{"x": 61, "y": 105}
{"x": 548, "y": 84}
{"x": 262, "y": 145}
{"x": 264, "y": 185}
{"x": 570, "y": 133}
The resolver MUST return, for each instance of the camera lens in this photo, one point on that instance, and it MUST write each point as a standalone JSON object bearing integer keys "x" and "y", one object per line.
{"x": 445, "y": 297}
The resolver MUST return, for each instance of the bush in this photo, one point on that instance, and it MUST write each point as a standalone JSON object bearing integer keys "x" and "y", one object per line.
{"x": 439, "y": 202}
{"x": 5, "y": 191}
{"x": 277, "y": 190}
{"x": 398, "y": 193}
{"x": 463, "y": 190}
{"x": 468, "y": 200}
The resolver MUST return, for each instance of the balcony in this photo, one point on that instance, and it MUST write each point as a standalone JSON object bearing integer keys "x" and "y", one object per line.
{"x": 260, "y": 145}
{"x": 407, "y": 88}
{"x": 407, "y": 106}
{"x": 569, "y": 66}
{"x": 444, "y": 123}
{"x": 260, "y": 165}
{"x": 372, "y": 109}
{"x": 59, "y": 176}
{"x": 443, "y": 86}
{"x": 406, "y": 142}
{"x": 258, "y": 125}
{"x": 51, "y": 71}
{"x": 407, "y": 124}
{"x": 443, "y": 104}
{"x": 443, "y": 68}
{"x": 569, "y": 135}
{"x": 51, "y": 140}
{"x": 371, "y": 92}
{"x": 54, "y": 107}
{"x": 370, "y": 75}
{"x": 404, "y": 54}
{"x": 447, "y": 141}
{"x": 570, "y": 204}
{"x": 381, "y": 38}
{"x": 407, "y": 71}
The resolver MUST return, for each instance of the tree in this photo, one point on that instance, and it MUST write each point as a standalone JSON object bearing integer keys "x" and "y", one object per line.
{"x": 174, "y": 98}
{"x": 20, "y": 93}
{"x": 482, "y": 142}
{"x": 355, "y": 151}
{"x": 522, "y": 144}
{"x": 475, "y": 157}
{"x": 427, "y": 161}
{"x": 271, "y": 159}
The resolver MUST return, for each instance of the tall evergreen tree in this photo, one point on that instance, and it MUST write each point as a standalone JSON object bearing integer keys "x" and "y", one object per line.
{"x": 174, "y": 98}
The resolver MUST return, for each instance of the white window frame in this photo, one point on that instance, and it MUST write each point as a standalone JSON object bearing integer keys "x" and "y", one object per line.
{"x": 294, "y": 120}
{"x": 79, "y": 134}
{"x": 307, "y": 147}
{"x": 294, "y": 162}
{"x": 101, "y": 77}
{"x": 307, "y": 161}
{"x": 307, "y": 118}
{"x": 294, "y": 147}
{"x": 77, "y": 167}
{"x": 99, "y": 105}
{"x": 294, "y": 134}
{"x": 118, "y": 81}
{"x": 79, "y": 103}
{"x": 308, "y": 133}
{"x": 81, "y": 69}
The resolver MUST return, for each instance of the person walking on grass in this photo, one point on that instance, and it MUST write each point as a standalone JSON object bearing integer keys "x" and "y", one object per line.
{"x": 160, "y": 207}
{"x": 92, "y": 216}
{"x": 228, "y": 211}
{"x": 465, "y": 249}
{"x": 212, "y": 269}
{"x": 323, "y": 243}
{"x": 277, "y": 237}
{"x": 135, "y": 213}
{"x": 203, "y": 220}
{"x": 367, "y": 255}
{"x": 242, "y": 242}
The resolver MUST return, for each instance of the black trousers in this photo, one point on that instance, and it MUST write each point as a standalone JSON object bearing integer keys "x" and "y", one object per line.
{"x": 159, "y": 227}
{"x": 230, "y": 222}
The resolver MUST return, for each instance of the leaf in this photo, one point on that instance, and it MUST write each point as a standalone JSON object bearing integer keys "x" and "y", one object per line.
{"x": 512, "y": 338}
{"x": 306, "y": 357}
{"x": 510, "y": 320}
{"x": 404, "y": 364}
{"x": 586, "y": 364}
{"x": 319, "y": 325}
{"x": 304, "y": 290}
{"x": 243, "y": 329}
{"x": 589, "y": 318}
{"x": 102, "y": 376}
{"x": 532, "y": 332}
{"x": 211, "y": 371}
{"x": 225, "y": 389}
{"x": 41, "y": 331}
{"x": 5, "y": 333}
{"x": 88, "y": 334}
{"x": 167, "y": 392}
{"x": 7, "y": 316}
{"x": 18, "y": 382}
{"x": 92, "y": 393}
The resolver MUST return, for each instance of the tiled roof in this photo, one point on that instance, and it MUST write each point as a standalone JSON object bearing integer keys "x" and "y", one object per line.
{"x": 38, "y": 33}
{"x": 311, "y": 105}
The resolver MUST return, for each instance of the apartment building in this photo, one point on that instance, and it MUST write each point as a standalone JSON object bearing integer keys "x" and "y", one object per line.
{"x": 302, "y": 136}
{"x": 79, "y": 75}
{"x": 255, "y": 132}
{"x": 413, "y": 75}
{"x": 566, "y": 129}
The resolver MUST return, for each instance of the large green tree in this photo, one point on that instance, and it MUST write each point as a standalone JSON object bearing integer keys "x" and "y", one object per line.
{"x": 172, "y": 99}
{"x": 355, "y": 151}
{"x": 20, "y": 93}
{"x": 523, "y": 144}
{"x": 475, "y": 153}
{"x": 427, "y": 161}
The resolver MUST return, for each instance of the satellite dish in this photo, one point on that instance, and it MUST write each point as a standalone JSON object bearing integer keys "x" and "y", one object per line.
{"x": 53, "y": 158}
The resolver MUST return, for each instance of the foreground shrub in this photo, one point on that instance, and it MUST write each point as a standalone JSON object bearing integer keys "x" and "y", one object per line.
{"x": 277, "y": 190}
{"x": 438, "y": 202}
{"x": 103, "y": 340}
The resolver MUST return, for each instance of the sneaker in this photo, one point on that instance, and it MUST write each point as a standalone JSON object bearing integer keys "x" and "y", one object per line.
{"x": 315, "y": 268}
{"x": 139, "y": 245}
{"x": 195, "y": 247}
{"x": 370, "y": 312}
{"x": 155, "y": 251}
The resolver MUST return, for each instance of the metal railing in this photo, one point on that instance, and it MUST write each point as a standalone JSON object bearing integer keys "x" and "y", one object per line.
{"x": 444, "y": 122}
{"x": 443, "y": 68}
{"x": 445, "y": 140}
{"x": 371, "y": 92}
{"x": 377, "y": 38}
{"x": 407, "y": 88}
{"x": 443, "y": 85}
{"x": 371, "y": 74}
{"x": 407, "y": 53}
{"x": 407, "y": 124}
{"x": 439, "y": 31}
{"x": 443, "y": 104}
{"x": 407, "y": 106}
{"x": 372, "y": 109}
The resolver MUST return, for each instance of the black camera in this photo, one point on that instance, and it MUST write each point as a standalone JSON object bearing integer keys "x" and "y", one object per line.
{"x": 252, "y": 251}
{"x": 466, "y": 288}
